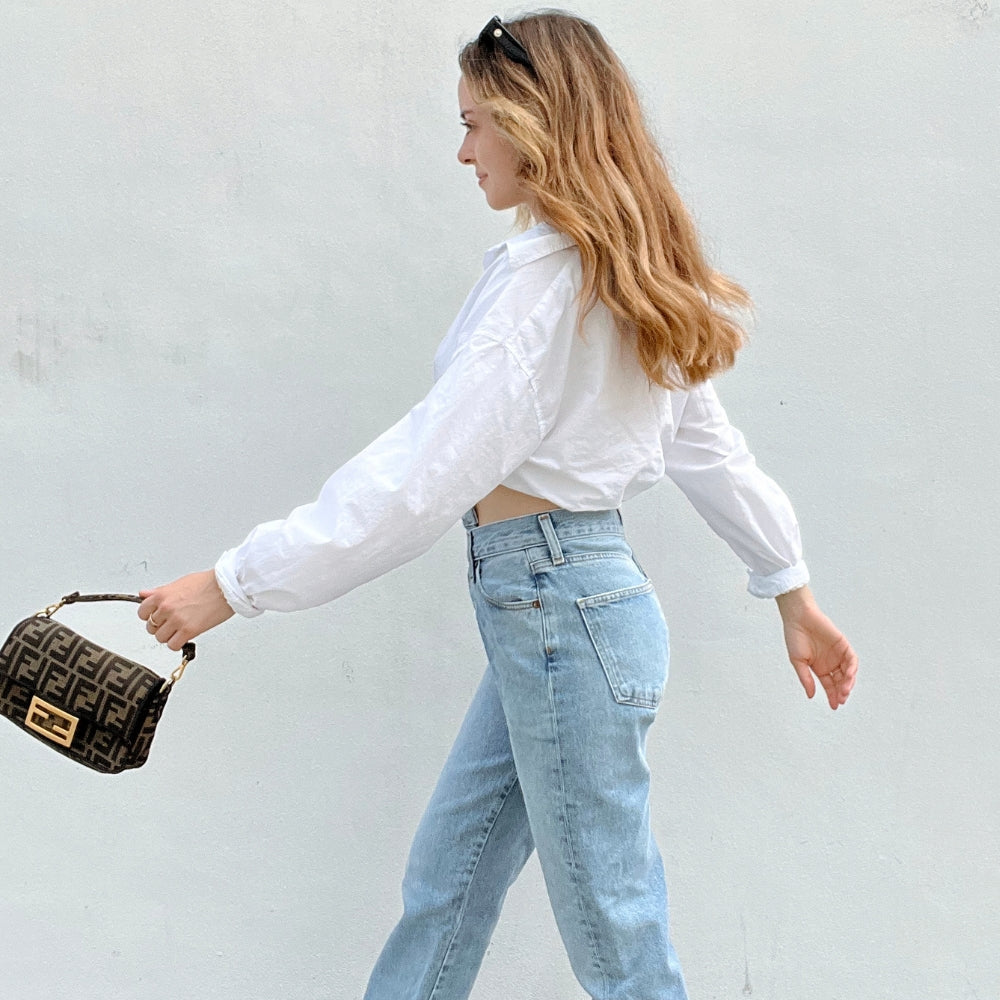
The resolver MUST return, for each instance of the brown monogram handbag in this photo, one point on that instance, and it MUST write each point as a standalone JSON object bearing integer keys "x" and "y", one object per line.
{"x": 94, "y": 706}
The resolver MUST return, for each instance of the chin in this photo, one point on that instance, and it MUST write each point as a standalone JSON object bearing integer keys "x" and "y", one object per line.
{"x": 502, "y": 204}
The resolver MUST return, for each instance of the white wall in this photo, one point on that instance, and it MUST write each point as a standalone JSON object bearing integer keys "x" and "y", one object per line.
{"x": 232, "y": 233}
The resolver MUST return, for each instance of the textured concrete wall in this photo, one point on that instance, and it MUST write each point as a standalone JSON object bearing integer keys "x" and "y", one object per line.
{"x": 232, "y": 234}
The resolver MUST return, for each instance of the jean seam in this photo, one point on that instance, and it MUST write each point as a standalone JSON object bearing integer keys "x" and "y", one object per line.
{"x": 484, "y": 549}
{"x": 614, "y": 596}
{"x": 468, "y": 885}
{"x": 546, "y": 563}
{"x": 564, "y": 814}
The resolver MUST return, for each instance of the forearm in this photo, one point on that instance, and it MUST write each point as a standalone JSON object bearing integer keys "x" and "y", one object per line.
{"x": 709, "y": 460}
{"x": 394, "y": 499}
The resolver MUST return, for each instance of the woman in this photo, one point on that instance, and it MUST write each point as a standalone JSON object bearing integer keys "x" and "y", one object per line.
{"x": 575, "y": 376}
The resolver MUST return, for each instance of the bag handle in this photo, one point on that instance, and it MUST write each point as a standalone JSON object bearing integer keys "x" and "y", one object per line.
{"x": 187, "y": 650}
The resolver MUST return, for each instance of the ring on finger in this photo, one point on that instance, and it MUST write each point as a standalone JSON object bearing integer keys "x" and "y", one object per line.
{"x": 153, "y": 622}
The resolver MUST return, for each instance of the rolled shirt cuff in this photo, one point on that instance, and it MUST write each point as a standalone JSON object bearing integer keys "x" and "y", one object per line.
{"x": 776, "y": 584}
{"x": 225, "y": 575}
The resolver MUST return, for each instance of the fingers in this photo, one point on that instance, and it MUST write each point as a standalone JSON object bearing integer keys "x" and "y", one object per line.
{"x": 845, "y": 672}
{"x": 839, "y": 682}
{"x": 147, "y": 610}
{"x": 852, "y": 666}
{"x": 158, "y": 622}
{"x": 162, "y": 631}
{"x": 178, "y": 612}
{"x": 176, "y": 642}
{"x": 819, "y": 651}
{"x": 805, "y": 677}
{"x": 166, "y": 632}
{"x": 831, "y": 685}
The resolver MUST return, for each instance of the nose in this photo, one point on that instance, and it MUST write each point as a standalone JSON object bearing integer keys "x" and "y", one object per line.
{"x": 465, "y": 151}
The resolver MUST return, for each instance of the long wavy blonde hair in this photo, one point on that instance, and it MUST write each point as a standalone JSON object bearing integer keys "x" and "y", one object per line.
{"x": 595, "y": 173}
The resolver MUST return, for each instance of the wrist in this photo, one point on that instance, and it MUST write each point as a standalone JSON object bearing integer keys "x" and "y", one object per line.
{"x": 793, "y": 603}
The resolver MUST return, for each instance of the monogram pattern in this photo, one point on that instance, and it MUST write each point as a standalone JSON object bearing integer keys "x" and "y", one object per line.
{"x": 117, "y": 701}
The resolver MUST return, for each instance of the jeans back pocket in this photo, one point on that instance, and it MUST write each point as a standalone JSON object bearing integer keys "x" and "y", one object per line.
{"x": 630, "y": 636}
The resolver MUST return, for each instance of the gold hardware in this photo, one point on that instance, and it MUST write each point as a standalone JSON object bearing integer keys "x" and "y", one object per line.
{"x": 50, "y": 610}
{"x": 176, "y": 675}
{"x": 51, "y": 722}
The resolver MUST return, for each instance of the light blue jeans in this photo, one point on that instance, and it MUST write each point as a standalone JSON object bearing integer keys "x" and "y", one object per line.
{"x": 550, "y": 757}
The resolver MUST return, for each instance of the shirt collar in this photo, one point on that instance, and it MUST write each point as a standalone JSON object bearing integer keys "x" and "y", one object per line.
{"x": 538, "y": 241}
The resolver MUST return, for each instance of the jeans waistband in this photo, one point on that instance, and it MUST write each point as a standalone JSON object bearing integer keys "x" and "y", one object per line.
{"x": 538, "y": 529}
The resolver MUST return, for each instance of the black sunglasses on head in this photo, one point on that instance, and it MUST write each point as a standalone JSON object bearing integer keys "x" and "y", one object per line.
{"x": 495, "y": 34}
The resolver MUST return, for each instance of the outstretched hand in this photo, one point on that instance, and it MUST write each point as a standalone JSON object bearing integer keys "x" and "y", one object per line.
{"x": 177, "y": 612}
{"x": 817, "y": 648}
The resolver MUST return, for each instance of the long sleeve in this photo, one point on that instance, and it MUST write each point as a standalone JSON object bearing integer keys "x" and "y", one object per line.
{"x": 399, "y": 495}
{"x": 708, "y": 459}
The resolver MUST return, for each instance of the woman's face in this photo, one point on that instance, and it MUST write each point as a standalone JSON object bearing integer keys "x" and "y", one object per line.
{"x": 494, "y": 158}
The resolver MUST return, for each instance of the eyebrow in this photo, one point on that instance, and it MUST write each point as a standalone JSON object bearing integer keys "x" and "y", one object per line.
{"x": 466, "y": 112}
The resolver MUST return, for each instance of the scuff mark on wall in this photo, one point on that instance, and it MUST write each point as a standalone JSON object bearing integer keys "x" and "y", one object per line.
{"x": 44, "y": 335}
{"x": 232, "y": 173}
{"x": 979, "y": 10}
{"x": 975, "y": 11}
{"x": 747, "y": 985}
{"x": 35, "y": 346}
{"x": 128, "y": 567}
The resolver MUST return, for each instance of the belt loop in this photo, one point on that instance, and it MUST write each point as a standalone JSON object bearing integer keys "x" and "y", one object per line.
{"x": 555, "y": 549}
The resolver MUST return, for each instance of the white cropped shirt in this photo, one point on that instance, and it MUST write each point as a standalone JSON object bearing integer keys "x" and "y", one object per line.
{"x": 522, "y": 398}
